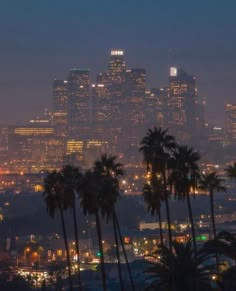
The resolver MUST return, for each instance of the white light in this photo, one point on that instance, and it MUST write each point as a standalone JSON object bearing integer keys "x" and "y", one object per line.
{"x": 173, "y": 72}
{"x": 117, "y": 53}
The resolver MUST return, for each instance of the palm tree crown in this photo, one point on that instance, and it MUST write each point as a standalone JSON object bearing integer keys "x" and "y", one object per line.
{"x": 231, "y": 171}
{"x": 185, "y": 170}
{"x": 108, "y": 166}
{"x": 211, "y": 181}
{"x": 155, "y": 147}
{"x": 190, "y": 270}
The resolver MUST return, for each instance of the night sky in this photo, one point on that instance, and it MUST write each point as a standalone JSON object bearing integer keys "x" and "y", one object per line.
{"x": 42, "y": 39}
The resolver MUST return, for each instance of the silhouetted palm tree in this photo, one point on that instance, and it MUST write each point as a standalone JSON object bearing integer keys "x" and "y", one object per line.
{"x": 111, "y": 171}
{"x": 152, "y": 194}
{"x": 183, "y": 178}
{"x": 54, "y": 199}
{"x": 156, "y": 147}
{"x": 71, "y": 179}
{"x": 231, "y": 171}
{"x": 191, "y": 271}
{"x": 212, "y": 182}
{"x": 225, "y": 245}
{"x": 90, "y": 189}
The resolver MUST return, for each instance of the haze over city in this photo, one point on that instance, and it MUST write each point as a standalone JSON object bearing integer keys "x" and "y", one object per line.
{"x": 43, "y": 40}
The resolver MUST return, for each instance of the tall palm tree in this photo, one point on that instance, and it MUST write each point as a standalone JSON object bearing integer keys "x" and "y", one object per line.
{"x": 212, "y": 182}
{"x": 191, "y": 272}
{"x": 152, "y": 193}
{"x": 183, "y": 177}
{"x": 156, "y": 147}
{"x": 111, "y": 171}
{"x": 71, "y": 179}
{"x": 231, "y": 171}
{"x": 53, "y": 197}
{"x": 90, "y": 189}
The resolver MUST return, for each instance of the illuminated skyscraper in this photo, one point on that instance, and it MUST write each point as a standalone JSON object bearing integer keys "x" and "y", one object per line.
{"x": 156, "y": 107}
{"x": 60, "y": 104}
{"x": 79, "y": 104}
{"x": 230, "y": 122}
{"x": 134, "y": 96}
{"x": 102, "y": 106}
{"x": 116, "y": 66}
{"x": 183, "y": 102}
{"x": 116, "y": 71}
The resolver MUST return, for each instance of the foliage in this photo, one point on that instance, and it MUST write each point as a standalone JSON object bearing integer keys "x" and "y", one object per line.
{"x": 231, "y": 171}
{"x": 190, "y": 272}
{"x": 9, "y": 282}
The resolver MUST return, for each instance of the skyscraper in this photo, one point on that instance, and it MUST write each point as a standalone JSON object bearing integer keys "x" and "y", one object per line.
{"x": 79, "y": 103}
{"x": 134, "y": 96}
{"x": 116, "y": 66}
{"x": 230, "y": 122}
{"x": 60, "y": 104}
{"x": 156, "y": 107}
{"x": 182, "y": 102}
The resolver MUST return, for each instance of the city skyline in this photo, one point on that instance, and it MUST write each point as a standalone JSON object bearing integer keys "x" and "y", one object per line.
{"x": 44, "y": 41}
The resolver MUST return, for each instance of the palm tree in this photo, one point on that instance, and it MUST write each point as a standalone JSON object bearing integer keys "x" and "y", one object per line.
{"x": 71, "y": 179}
{"x": 152, "y": 197}
{"x": 183, "y": 177}
{"x": 53, "y": 197}
{"x": 191, "y": 273}
{"x": 231, "y": 171}
{"x": 90, "y": 189}
{"x": 156, "y": 147}
{"x": 225, "y": 245}
{"x": 211, "y": 182}
{"x": 111, "y": 171}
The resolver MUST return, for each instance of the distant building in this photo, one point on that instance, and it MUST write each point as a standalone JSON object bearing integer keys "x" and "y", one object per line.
{"x": 230, "y": 122}
{"x": 60, "y": 107}
{"x": 79, "y": 103}
{"x": 34, "y": 147}
{"x": 182, "y": 103}
{"x": 156, "y": 106}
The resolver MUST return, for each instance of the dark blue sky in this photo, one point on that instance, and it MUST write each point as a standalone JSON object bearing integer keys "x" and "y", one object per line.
{"x": 41, "y": 40}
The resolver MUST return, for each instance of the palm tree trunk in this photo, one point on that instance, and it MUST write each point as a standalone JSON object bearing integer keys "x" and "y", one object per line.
{"x": 190, "y": 213}
{"x": 67, "y": 248}
{"x": 167, "y": 212}
{"x": 77, "y": 246}
{"x": 212, "y": 214}
{"x": 173, "y": 284}
{"x": 213, "y": 225}
{"x": 124, "y": 252}
{"x": 99, "y": 235}
{"x": 160, "y": 228}
{"x": 117, "y": 252}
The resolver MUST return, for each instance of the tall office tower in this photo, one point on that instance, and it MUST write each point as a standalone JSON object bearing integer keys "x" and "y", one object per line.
{"x": 79, "y": 104}
{"x": 60, "y": 99}
{"x": 116, "y": 71}
{"x": 183, "y": 103}
{"x": 157, "y": 107}
{"x": 230, "y": 122}
{"x": 134, "y": 96}
{"x": 102, "y": 106}
{"x": 116, "y": 66}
